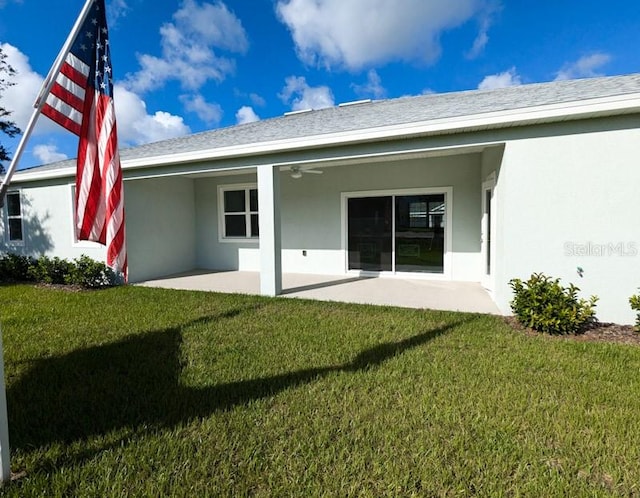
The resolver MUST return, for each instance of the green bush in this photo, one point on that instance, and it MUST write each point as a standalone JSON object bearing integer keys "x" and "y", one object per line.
{"x": 89, "y": 273}
{"x": 542, "y": 304}
{"x": 16, "y": 268}
{"x": 83, "y": 271}
{"x": 634, "y": 301}
{"x": 51, "y": 270}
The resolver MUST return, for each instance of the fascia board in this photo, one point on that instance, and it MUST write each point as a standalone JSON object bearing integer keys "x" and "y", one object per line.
{"x": 32, "y": 176}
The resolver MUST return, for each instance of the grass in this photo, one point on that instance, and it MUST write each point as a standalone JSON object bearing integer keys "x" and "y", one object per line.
{"x": 148, "y": 392}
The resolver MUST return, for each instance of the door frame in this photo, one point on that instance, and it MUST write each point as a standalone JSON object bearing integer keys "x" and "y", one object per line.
{"x": 487, "y": 233}
{"x": 448, "y": 231}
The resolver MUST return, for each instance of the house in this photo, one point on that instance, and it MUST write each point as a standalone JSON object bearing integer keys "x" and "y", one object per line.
{"x": 478, "y": 186}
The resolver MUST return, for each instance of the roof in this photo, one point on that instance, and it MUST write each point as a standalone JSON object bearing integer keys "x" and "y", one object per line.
{"x": 382, "y": 115}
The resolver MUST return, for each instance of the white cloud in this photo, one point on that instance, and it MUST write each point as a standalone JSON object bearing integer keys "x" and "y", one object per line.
{"x": 372, "y": 88}
{"x": 48, "y": 153}
{"x": 478, "y": 44}
{"x": 501, "y": 80}
{"x": 360, "y": 33}
{"x": 212, "y": 23}
{"x": 301, "y": 96}
{"x": 136, "y": 127}
{"x": 210, "y": 113}
{"x": 188, "y": 44}
{"x": 585, "y": 67}
{"x": 116, "y": 10}
{"x": 257, "y": 100}
{"x": 19, "y": 98}
{"x": 482, "y": 38}
{"x": 246, "y": 114}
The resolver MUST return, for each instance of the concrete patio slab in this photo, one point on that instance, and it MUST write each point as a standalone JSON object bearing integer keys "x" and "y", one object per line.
{"x": 408, "y": 293}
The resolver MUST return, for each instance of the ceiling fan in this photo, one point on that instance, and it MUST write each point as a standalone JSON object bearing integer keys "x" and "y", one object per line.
{"x": 297, "y": 171}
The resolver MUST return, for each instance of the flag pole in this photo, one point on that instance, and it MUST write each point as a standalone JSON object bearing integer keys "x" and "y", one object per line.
{"x": 5, "y": 458}
{"x": 5, "y": 463}
{"x": 39, "y": 103}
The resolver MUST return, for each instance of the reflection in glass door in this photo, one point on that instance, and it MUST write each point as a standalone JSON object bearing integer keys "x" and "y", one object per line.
{"x": 419, "y": 233}
{"x": 370, "y": 225}
{"x": 397, "y": 233}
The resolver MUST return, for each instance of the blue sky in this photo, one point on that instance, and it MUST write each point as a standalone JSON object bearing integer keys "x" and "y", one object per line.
{"x": 191, "y": 65}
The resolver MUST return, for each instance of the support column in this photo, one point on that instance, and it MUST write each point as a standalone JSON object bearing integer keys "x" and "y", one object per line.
{"x": 269, "y": 224}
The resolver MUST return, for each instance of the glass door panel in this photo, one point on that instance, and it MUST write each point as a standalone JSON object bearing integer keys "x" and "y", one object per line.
{"x": 419, "y": 233}
{"x": 370, "y": 232}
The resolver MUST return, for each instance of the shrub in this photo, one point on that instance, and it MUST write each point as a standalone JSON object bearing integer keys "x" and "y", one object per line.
{"x": 83, "y": 271}
{"x": 16, "y": 268}
{"x": 89, "y": 273}
{"x": 542, "y": 304}
{"x": 51, "y": 270}
{"x": 634, "y": 301}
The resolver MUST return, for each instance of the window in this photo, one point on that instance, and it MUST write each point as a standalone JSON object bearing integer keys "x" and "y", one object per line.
{"x": 239, "y": 208}
{"x": 14, "y": 216}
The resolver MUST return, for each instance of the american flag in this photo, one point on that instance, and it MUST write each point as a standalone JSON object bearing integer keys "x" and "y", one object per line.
{"x": 81, "y": 100}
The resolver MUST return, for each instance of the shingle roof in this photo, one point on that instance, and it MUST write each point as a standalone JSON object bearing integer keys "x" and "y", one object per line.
{"x": 386, "y": 113}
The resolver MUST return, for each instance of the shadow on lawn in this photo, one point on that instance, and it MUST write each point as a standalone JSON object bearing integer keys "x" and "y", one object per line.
{"x": 135, "y": 384}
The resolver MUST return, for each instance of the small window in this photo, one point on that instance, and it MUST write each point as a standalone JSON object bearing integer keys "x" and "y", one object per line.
{"x": 239, "y": 207}
{"x": 14, "y": 216}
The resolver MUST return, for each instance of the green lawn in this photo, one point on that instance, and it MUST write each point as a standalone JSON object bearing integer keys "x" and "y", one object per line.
{"x": 147, "y": 392}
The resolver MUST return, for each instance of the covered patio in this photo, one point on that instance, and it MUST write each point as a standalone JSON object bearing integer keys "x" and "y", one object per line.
{"x": 408, "y": 293}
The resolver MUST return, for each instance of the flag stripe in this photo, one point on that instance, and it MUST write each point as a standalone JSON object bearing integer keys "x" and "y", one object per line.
{"x": 75, "y": 69}
{"x": 65, "y": 101}
{"x": 69, "y": 93}
{"x": 62, "y": 119}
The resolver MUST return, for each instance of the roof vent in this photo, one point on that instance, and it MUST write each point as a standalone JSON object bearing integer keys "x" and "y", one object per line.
{"x": 301, "y": 111}
{"x": 355, "y": 102}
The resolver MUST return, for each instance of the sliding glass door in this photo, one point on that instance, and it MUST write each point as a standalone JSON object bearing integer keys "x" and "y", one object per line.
{"x": 370, "y": 225}
{"x": 397, "y": 233}
{"x": 419, "y": 233}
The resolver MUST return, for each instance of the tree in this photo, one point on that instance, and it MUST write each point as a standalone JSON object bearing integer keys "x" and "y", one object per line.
{"x": 6, "y": 126}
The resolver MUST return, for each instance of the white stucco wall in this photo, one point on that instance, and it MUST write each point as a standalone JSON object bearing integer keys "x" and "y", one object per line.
{"x": 48, "y": 223}
{"x": 567, "y": 199}
{"x": 160, "y": 225}
{"x": 311, "y": 214}
{"x": 160, "y": 221}
{"x": 210, "y": 253}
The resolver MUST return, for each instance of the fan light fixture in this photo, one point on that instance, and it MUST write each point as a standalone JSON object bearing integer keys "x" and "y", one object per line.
{"x": 296, "y": 171}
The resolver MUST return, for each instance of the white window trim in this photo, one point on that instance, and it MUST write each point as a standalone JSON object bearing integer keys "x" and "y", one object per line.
{"x": 221, "y": 220}
{"x": 448, "y": 231}
{"x": 489, "y": 281}
{"x": 6, "y": 220}
{"x": 88, "y": 244}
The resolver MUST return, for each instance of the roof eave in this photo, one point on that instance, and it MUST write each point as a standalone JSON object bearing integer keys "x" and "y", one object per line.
{"x": 622, "y": 104}
{"x": 581, "y": 109}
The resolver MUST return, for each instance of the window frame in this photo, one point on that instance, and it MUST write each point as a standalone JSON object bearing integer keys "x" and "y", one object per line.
{"x": 248, "y": 213}
{"x": 7, "y": 217}
{"x": 447, "y": 191}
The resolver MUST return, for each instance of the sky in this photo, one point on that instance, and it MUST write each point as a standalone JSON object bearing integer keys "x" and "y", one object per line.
{"x": 187, "y": 66}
